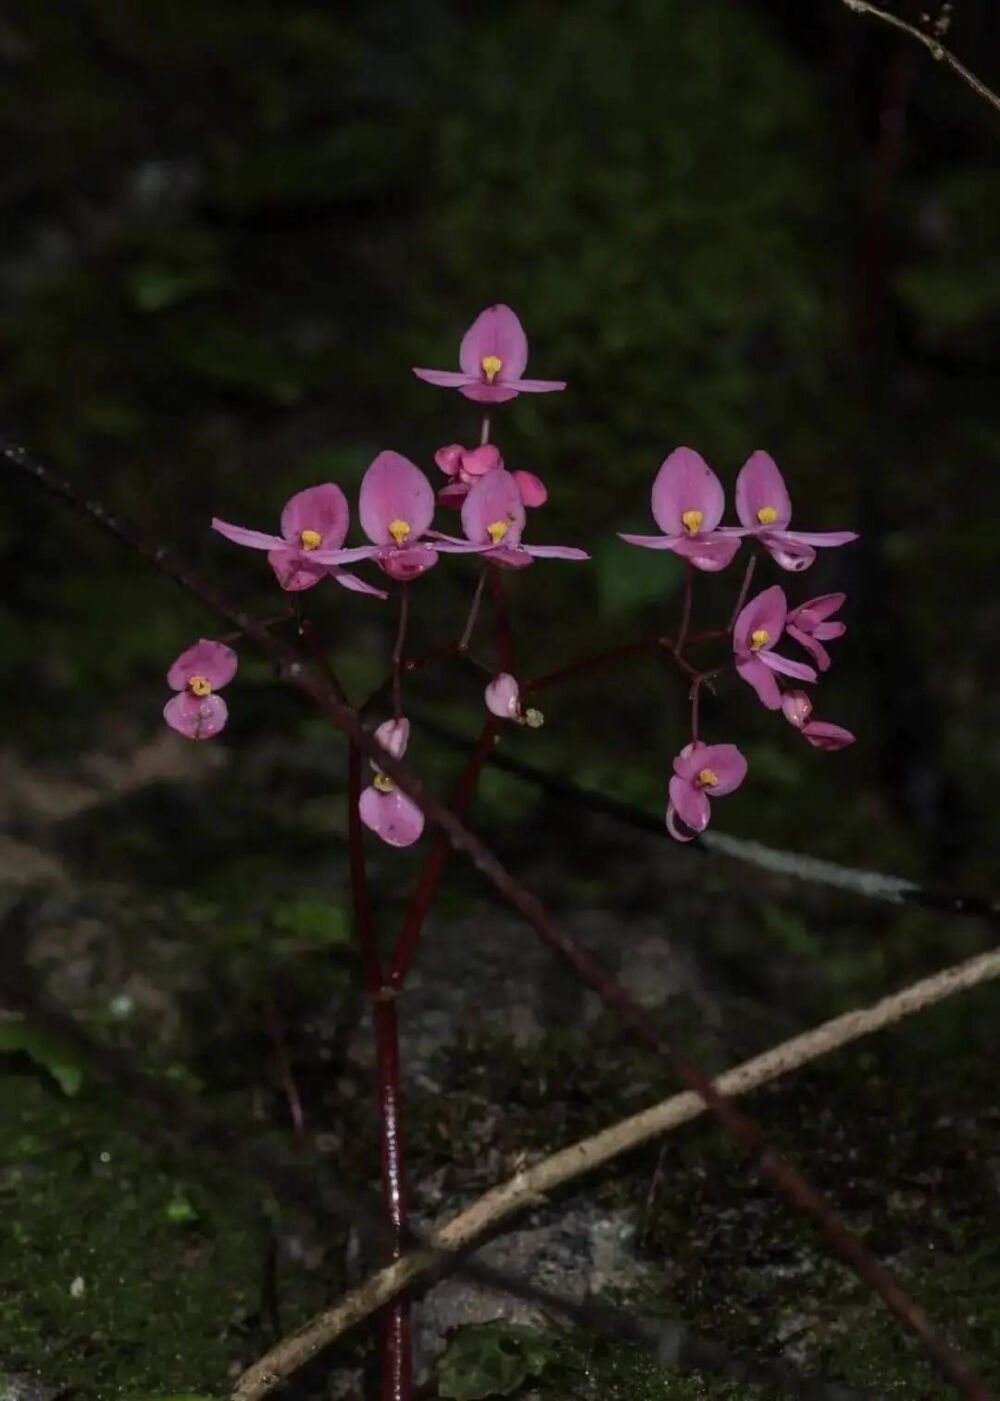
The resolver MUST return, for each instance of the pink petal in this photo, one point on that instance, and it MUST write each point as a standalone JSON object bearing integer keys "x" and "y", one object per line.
{"x": 796, "y": 708}
{"x": 762, "y": 679}
{"x": 823, "y": 734}
{"x": 356, "y": 585}
{"x": 213, "y": 661}
{"x": 685, "y": 482}
{"x": 829, "y": 632}
{"x": 823, "y": 538}
{"x": 195, "y": 717}
{"x": 350, "y": 556}
{"x": 453, "y": 494}
{"x": 320, "y": 508}
{"x": 516, "y": 558}
{"x": 503, "y": 697}
{"x": 555, "y": 552}
{"x": 447, "y": 379}
{"x": 449, "y": 458}
{"x": 392, "y": 816}
{"x": 495, "y": 331}
{"x": 295, "y": 570}
{"x": 801, "y": 671}
{"x": 394, "y": 488}
{"x": 393, "y": 735}
{"x": 406, "y": 563}
{"x": 485, "y": 458}
{"x": 498, "y": 393}
{"x": 761, "y": 487}
{"x": 817, "y": 609}
{"x": 787, "y": 551}
{"x": 673, "y": 829}
{"x": 764, "y": 613}
{"x": 690, "y": 803}
{"x": 253, "y": 539}
{"x": 651, "y": 542}
{"x": 811, "y": 644}
{"x": 536, "y": 386}
{"x": 709, "y": 552}
{"x": 449, "y": 545}
{"x": 533, "y": 490}
{"x": 494, "y": 497}
{"x": 728, "y": 765}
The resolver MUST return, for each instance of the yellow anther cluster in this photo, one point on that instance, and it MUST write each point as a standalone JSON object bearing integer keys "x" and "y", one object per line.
{"x": 492, "y": 365}
{"x": 311, "y": 539}
{"x": 399, "y": 530}
{"x": 691, "y": 521}
{"x": 496, "y": 530}
{"x": 534, "y": 719}
{"x": 199, "y": 686}
{"x": 767, "y": 515}
{"x": 708, "y": 778}
{"x": 383, "y": 783}
{"x": 758, "y": 638}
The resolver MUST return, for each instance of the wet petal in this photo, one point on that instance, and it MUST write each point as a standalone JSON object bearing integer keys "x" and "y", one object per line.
{"x": 503, "y": 558}
{"x": 449, "y": 458}
{"x": 503, "y": 697}
{"x": 253, "y": 539}
{"x": 446, "y": 379}
{"x": 536, "y": 386}
{"x": 801, "y": 671}
{"x": 321, "y": 508}
{"x": 495, "y": 332}
{"x": 485, "y": 458}
{"x": 762, "y": 679}
{"x": 394, "y": 735}
{"x": 392, "y": 816}
{"x": 811, "y": 644}
{"x": 709, "y": 552}
{"x": 787, "y": 550}
{"x": 815, "y": 610}
{"x": 825, "y": 539}
{"x": 195, "y": 717}
{"x": 760, "y": 487}
{"x": 407, "y": 564}
{"x": 212, "y": 660}
{"x": 356, "y": 585}
{"x": 690, "y": 803}
{"x": 824, "y": 734}
{"x": 394, "y": 489}
{"x": 726, "y": 762}
{"x": 796, "y": 708}
{"x": 685, "y": 482}
{"x": 295, "y": 570}
{"x": 555, "y": 552}
{"x": 452, "y": 495}
{"x": 494, "y": 498}
{"x": 651, "y": 542}
{"x": 673, "y": 829}
{"x": 349, "y": 556}
{"x": 488, "y": 393}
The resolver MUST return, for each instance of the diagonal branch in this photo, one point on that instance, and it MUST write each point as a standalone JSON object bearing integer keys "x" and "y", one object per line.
{"x": 300, "y": 670}
{"x": 528, "y": 1188}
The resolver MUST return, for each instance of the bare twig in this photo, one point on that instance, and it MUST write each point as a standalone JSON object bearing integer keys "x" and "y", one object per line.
{"x": 933, "y": 46}
{"x": 528, "y": 1188}
{"x": 300, "y": 670}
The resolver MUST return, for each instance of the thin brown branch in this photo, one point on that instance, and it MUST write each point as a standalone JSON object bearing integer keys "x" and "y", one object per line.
{"x": 300, "y": 671}
{"x": 933, "y": 46}
{"x": 528, "y": 1188}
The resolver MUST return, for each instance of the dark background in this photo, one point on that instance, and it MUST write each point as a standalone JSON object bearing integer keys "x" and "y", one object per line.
{"x": 229, "y": 230}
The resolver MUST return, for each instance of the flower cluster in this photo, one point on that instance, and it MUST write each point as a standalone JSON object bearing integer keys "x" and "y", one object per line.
{"x": 396, "y": 507}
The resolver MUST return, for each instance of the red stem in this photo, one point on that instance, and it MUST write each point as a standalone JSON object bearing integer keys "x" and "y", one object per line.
{"x": 397, "y": 1345}
{"x": 682, "y": 631}
{"x": 503, "y": 622}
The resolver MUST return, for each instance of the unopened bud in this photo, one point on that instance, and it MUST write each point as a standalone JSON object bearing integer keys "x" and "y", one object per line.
{"x": 796, "y": 708}
{"x": 503, "y": 697}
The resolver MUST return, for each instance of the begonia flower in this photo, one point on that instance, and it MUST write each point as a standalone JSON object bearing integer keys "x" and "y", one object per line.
{"x": 796, "y": 707}
{"x": 312, "y": 520}
{"x": 701, "y": 771}
{"x": 384, "y": 808}
{"x": 198, "y": 711}
{"x": 395, "y": 507}
{"x": 758, "y": 629}
{"x": 809, "y": 626}
{"x": 492, "y": 356}
{"x": 493, "y": 517}
{"x": 821, "y": 734}
{"x": 503, "y": 697}
{"x": 688, "y": 501}
{"x": 465, "y": 466}
{"x": 765, "y": 511}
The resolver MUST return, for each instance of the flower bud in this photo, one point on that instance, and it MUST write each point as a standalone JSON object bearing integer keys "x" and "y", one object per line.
{"x": 503, "y": 697}
{"x": 796, "y": 708}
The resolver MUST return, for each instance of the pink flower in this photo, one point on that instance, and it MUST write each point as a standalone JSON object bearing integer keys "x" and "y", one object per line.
{"x": 197, "y": 675}
{"x": 765, "y": 510}
{"x": 493, "y": 354}
{"x": 688, "y": 502}
{"x": 701, "y": 771}
{"x": 467, "y": 465}
{"x": 503, "y": 699}
{"x": 312, "y": 520}
{"x": 821, "y": 734}
{"x": 758, "y": 628}
{"x": 396, "y": 507}
{"x": 493, "y": 517}
{"x": 389, "y": 813}
{"x": 808, "y": 625}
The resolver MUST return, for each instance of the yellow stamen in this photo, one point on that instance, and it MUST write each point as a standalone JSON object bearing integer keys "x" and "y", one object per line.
{"x": 492, "y": 365}
{"x": 399, "y": 530}
{"x": 708, "y": 778}
{"x": 496, "y": 530}
{"x": 767, "y": 515}
{"x": 311, "y": 539}
{"x": 382, "y": 783}
{"x": 691, "y": 521}
{"x": 199, "y": 686}
{"x": 758, "y": 638}
{"x": 534, "y": 719}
